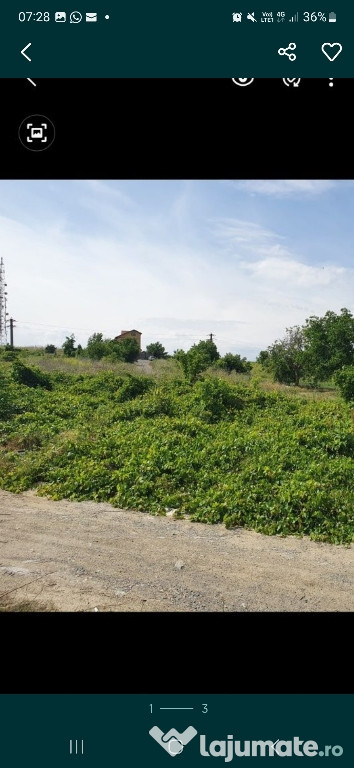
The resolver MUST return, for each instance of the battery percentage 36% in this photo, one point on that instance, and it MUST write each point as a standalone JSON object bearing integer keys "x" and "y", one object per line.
{"x": 314, "y": 16}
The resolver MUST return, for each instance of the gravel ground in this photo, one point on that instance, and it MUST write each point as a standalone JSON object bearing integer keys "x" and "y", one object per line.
{"x": 71, "y": 556}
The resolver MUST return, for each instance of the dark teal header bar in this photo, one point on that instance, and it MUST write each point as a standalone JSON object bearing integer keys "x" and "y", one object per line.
{"x": 199, "y": 39}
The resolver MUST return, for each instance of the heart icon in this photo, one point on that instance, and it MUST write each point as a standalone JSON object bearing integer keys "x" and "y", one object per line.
{"x": 331, "y": 55}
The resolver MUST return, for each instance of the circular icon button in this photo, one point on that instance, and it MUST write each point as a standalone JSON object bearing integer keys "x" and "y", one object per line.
{"x": 36, "y": 133}
{"x": 242, "y": 80}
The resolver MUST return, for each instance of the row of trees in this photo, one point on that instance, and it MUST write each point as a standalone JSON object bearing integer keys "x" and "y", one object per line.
{"x": 199, "y": 357}
{"x": 204, "y": 354}
{"x": 97, "y": 348}
{"x": 314, "y": 351}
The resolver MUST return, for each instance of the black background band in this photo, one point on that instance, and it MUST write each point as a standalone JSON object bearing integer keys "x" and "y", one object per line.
{"x": 180, "y": 129}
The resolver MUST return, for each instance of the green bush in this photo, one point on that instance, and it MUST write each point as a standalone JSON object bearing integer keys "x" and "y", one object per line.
{"x": 198, "y": 358}
{"x": 234, "y": 363}
{"x": 31, "y": 377}
{"x": 216, "y": 400}
{"x": 131, "y": 387}
{"x": 8, "y": 353}
{"x": 5, "y": 398}
{"x": 10, "y": 356}
{"x": 344, "y": 380}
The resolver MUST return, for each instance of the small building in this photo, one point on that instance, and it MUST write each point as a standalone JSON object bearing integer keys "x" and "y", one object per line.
{"x": 130, "y": 335}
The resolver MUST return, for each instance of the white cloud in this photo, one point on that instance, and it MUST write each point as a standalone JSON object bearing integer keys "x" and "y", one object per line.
{"x": 243, "y": 232}
{"x": 275, "y": 270}
{"x": 287, "y": 188}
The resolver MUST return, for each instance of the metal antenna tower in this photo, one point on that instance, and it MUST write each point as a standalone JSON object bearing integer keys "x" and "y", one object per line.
{"x": 3, "y": 305}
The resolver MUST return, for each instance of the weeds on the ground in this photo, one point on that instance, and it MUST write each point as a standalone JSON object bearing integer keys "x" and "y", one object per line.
{"x": 245, "y": 452}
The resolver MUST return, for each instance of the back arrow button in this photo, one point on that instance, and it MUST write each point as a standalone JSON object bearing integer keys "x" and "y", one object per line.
{"x": 25, "y": 54}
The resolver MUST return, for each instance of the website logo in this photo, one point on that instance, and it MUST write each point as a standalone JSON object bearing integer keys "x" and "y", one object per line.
{"x": 173, "y": 741}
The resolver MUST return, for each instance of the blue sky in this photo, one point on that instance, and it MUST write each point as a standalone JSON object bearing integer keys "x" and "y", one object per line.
{"x": 176, "y": 260}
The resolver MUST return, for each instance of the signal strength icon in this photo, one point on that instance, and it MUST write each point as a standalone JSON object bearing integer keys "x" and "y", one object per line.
{"x": 295, "y": 17}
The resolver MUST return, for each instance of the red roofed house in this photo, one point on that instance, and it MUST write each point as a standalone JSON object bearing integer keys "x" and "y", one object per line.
{"x": 130, "y": 335}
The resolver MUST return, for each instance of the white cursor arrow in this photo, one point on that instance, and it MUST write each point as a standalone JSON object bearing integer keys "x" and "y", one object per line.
{"x": 25, "y": 54}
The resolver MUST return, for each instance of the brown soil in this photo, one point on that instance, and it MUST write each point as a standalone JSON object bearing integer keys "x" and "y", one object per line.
{"x": 68, "y": 556}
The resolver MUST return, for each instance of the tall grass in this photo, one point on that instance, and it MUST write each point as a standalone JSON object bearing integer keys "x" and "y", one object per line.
{"x": 170, "y": 369}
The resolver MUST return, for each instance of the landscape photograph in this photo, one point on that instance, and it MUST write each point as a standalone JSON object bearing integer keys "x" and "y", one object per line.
{"x": 177, "y": 396}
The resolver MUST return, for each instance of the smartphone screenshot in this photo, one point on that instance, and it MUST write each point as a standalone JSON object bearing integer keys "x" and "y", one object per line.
{"x": 176, "y": 383}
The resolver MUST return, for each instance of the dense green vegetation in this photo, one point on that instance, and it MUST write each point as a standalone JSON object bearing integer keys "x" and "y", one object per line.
{"x": 98, "y": 348}
{"x": 156, "y": 350}
{"x": 193, "y": 362}
{"x": 344, "y": 379}
{"x": 197, "y": 359}
{"x": 234, "y": 363}
{"x": 314, "y": 351}
{"x": 215, "y": 446}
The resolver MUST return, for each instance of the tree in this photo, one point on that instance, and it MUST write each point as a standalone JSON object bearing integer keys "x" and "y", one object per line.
{"x": 329, "y": 344}
{"x": 192, "y": 363}
{"x": 96, "y": 347}
{"x": 69, "y": 346}
{"x": 156, "y": 350}
{"x": 208, "y": 349}
{"x": 199, "y": 357}
{"x": 50, "y": 349}
{"x": 79, "y": 350}
{"x": 128, "y": 350}
{"x": 287, "y": 356}
{"x": 234, "y": 363}
{"x": 264, "y": 358}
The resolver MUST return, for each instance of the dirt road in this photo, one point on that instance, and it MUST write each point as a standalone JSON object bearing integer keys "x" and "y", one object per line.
{"x": 86, "y": 556}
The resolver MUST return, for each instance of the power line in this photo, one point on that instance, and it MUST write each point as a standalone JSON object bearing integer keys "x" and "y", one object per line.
{"x": 59, "y": 327}
{"x": 91, "y": 330}
{"x": 173, "y": 337}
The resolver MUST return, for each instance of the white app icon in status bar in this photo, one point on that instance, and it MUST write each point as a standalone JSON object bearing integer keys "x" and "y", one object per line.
{"x": 75, "y": 17}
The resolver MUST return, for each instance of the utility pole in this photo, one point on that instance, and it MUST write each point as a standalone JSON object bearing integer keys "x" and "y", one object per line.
{"x": 12, "y": 321}
{"x": 211, "y": 336}
{"x": 3, "y": 305}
